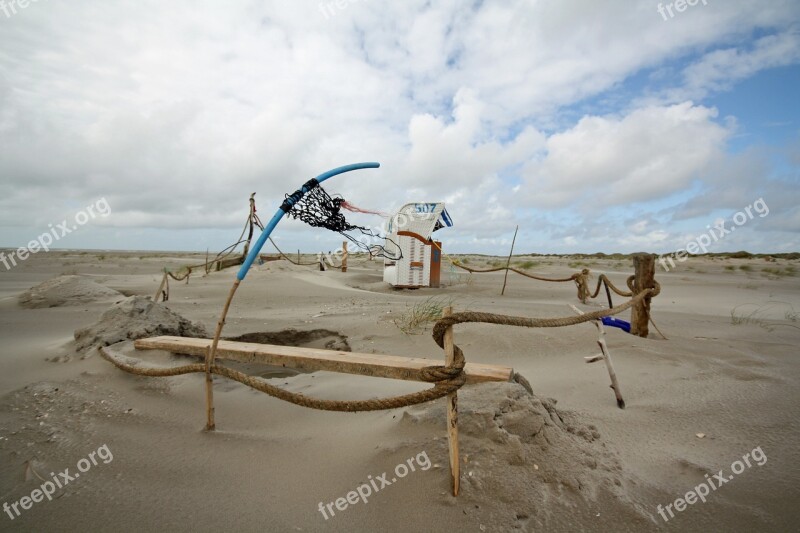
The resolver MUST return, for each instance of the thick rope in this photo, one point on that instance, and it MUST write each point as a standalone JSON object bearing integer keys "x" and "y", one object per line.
{"x": 475, "y": 270}
{"x": 582, "y": 281}
{"x": 447, "y": 379}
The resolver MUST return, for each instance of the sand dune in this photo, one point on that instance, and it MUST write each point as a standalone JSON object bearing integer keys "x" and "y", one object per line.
{"x": 563, "y": 459}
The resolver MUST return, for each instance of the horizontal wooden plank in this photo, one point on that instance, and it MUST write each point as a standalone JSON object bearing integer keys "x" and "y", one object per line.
{"x": 312, "y": 359}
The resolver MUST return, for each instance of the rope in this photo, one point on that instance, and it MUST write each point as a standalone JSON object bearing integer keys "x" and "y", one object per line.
{"x": 475, "y": 270}
{"x": 298, "y": 263}
{"x": 252, "y": 220}
{"x": 456, "y": 263}
{"x": 446, "y": 378}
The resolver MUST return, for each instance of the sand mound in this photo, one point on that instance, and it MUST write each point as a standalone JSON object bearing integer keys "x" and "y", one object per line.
{"x": 136, "y": 317}
{"x": 518, "y": 451}
{"x": 66, "y": 290}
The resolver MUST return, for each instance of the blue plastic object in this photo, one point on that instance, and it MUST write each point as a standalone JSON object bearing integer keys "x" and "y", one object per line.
{"x": 616, "y": 323}
{"x": 256, "y": 249}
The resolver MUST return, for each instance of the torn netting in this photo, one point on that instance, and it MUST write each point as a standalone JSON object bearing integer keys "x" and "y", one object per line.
{"x": 318, "y": 209}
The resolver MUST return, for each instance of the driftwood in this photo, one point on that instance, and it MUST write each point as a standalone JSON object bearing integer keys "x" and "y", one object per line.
{"x": 605, "y": 355}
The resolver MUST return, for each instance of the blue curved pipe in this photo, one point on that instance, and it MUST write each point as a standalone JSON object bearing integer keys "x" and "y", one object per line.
{"x": 287, "y": 204}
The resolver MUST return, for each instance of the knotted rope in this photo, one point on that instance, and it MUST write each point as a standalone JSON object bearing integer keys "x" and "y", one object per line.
{"x": 582, "y": 281}
{"x": 446, "y": 378}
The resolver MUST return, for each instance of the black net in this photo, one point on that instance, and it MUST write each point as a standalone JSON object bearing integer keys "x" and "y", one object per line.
{"x": 318, "y": 209}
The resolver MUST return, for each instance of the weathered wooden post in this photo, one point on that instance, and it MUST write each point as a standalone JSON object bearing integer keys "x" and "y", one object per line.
{"x": 452, "y": 408}
{"x": 251, "y": 221}
{"x": 160, "y": 289}
{"x": 344, "y": 256}
{"x": 644, "y": 266}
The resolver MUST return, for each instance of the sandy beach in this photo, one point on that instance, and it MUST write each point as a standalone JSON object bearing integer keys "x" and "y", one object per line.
{"x": 564, "y": 459}
{"x": 500, "y": 178}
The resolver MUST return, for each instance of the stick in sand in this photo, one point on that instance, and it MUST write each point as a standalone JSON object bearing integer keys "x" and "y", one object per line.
{"x": 508, "y": 263}
{"x": 601, "y": 340}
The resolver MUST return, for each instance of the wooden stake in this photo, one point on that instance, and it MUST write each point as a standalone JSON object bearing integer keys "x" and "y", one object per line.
{"x": 161, "y": 287}
{"x": 212, "y": 352}
{"x": 644, "y": 278}
{"x": 344, "y": 256}
{"x": 210, "y": 424}
{"x": 452, "y": 409}
{"x": 251, "y": 221}
{"x": 298, "y": 256}
{"x": 601, "y": 341}
{"x": 607, "y": 358}
{"x": 508, "y": 263}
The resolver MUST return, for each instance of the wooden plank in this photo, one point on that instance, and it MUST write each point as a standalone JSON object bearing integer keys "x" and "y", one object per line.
{"x": 452, "y": 409}
{"x": 311, "y": 359}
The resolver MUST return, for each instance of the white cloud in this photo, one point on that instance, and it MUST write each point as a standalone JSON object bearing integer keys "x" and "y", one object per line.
{"x": 648, "y": 154}
{"x": 176, "y": 111}
{"x": 719, "y": 69}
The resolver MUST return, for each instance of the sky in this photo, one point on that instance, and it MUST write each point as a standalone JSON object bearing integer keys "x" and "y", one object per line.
{"x": 614, "y": 126}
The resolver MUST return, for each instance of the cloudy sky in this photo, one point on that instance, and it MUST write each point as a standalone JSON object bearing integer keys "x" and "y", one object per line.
{"x": 595, "y": 126}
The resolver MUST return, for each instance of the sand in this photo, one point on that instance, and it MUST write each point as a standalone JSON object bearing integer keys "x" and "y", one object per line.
{"x": 66, "y": 290}
{"x": 135, "y": 317}
{"x": 564, "y": 458}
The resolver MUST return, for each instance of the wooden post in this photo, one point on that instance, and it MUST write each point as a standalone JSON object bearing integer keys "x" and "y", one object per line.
{"x": 508, "y": 263}
{"x": 251, "y": 221}
{"x": 298, "y": 256}
{"x": 161, "y": 287}
{"x": 344, "y": 256}
{"x": 452, "y": 409}
{"x": 601, "y": 341}
{"x": 644, "y": 266}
